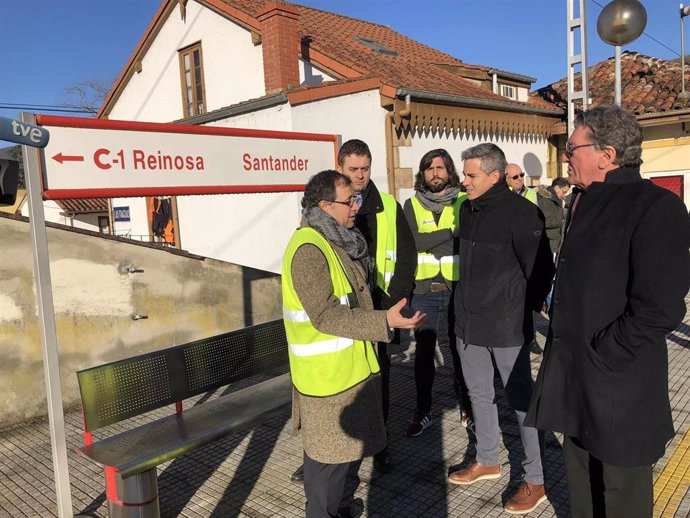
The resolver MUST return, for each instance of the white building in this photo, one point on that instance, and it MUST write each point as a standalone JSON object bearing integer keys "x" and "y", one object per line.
{"x": 279, "y": 66}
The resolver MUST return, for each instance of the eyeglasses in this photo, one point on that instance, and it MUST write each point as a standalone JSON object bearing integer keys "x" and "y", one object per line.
{"x": 349, "y": 202}
{"x": 569, "y": 148}
{"x": 515, "y": 177}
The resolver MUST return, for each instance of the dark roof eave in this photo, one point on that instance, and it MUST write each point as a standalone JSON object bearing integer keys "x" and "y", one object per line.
{"x": 682, "y": 114}
{"x": 237, "y": 109}
{"x": 513, "y": 76}
{"x": 471, "y": 102}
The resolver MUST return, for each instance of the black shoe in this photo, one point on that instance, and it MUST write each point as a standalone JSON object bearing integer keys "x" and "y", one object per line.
{"x": 354, "y": 510}
{"x": 382, "y": 462}
{"x": 534, "y": 348}
{"x": 298, "y": 476}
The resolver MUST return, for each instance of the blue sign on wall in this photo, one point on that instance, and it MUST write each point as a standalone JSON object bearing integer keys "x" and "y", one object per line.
{"x": 121, "y": 213}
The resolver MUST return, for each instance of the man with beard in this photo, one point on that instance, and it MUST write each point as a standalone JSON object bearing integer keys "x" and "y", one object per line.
{"x": 433, "y": 217}
{"x": 330, "y": 323}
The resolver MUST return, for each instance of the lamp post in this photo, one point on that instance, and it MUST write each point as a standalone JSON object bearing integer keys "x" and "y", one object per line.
{"x": 684, "y": 11}
{"x": 621, "y": 22}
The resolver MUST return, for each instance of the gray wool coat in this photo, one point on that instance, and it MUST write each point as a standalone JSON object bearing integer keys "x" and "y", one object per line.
{"x": 348, "y": 426}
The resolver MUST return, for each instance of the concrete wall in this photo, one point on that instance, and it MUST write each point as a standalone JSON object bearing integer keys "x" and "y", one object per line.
{"x": 185, "y": 298}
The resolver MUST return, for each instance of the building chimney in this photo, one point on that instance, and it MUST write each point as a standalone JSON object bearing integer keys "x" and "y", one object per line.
{"x": 280, "y": 45}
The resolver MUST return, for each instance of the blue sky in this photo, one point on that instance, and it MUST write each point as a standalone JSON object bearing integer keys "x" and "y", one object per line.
{"x": 50, "y": 44}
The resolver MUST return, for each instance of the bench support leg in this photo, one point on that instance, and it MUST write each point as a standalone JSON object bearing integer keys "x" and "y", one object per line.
{"x": 132, "y": 497}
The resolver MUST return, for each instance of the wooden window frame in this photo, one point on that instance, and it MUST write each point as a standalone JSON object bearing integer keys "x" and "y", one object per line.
{"x": 189, "y": 51}
{"x": 501, "y": 86}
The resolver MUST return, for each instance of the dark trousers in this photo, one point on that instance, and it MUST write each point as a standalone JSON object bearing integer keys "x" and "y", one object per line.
{"x": 323, "y": 486}
{"x": 437, "y": 328}
{"x": 600, "y": 490}
{"x": 385, "y": 365}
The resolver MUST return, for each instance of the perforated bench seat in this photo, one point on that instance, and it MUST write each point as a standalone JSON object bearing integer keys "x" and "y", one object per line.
{"x": 156, "y": 442}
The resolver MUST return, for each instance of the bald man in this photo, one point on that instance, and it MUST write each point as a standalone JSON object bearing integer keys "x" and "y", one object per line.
{"x": 515, "y": 177}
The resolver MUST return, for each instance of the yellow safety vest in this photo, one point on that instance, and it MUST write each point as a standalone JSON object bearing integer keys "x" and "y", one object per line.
{"x": 386, "y": 242}
{"x": 530, "y": 194}
{"x": 428, "y": 265}
{"x": 321, "y": 364}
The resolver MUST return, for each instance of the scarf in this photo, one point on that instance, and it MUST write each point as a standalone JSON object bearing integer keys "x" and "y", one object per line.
{"x": 349, "y": 239}
{"x": 436, "y": 203}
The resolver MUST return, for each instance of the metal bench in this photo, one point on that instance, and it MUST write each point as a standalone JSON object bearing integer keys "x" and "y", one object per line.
{"x": 130, "y": 387}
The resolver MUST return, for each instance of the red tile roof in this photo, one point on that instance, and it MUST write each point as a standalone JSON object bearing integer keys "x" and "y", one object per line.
{"x": 414, "y": 67}
{"x": 648, "y": 85}
{"x": 83, "y": 206}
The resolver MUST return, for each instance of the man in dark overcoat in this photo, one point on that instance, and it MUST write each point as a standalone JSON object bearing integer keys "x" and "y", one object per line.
{"x": 622, "y": 274}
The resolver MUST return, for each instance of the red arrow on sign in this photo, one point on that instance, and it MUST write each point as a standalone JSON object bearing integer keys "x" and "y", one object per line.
{"x": 68, "y": 158}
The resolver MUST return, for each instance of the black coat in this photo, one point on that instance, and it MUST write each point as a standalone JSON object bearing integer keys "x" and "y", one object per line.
{"x": 553, "y": 209}
{"x": 623, "y": 272}
{"x": 402, "y": 281}
{"x": 505, "y": 268}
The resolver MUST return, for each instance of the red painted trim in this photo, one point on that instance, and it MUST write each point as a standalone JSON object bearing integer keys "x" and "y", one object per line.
{"x": 88, "y": 436}
{"x": 77, "y": 122}
{"x": 62, "y": 194}
{"x": 178, "y": 407}
{"x": 110, "y": 484}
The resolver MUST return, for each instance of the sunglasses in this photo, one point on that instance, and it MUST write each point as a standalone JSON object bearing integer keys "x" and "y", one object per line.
{"x": 515, "y": 177}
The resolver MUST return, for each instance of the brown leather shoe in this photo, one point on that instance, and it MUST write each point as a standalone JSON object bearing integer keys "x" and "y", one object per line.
{"x": 474, "y": 473}
{"x": 526, "y": 498}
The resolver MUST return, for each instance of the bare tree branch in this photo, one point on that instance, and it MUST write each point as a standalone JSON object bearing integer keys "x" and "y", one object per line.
{"x": 87, "y": 94}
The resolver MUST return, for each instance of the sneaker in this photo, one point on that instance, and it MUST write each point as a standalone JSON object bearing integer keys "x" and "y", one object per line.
{"x": 527, "y": 498}
{"x": 466, "y": 420}
{"x": 474, "y": 473}
{"x": 418, "y": 424}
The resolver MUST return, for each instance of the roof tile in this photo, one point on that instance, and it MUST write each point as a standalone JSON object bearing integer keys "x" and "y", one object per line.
{"x": 416, "y": 66}
{"x": 648, "y": 85}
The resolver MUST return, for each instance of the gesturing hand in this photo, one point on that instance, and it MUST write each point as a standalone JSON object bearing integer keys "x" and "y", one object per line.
{"x": 396, "y": 320}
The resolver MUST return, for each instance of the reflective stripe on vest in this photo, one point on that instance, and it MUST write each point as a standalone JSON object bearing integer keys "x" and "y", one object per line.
{"x": 321, "y": 364}
{"x": 428, "y": 266}
{"x": 530, "y": 194}
{"x": 386, "y": 242}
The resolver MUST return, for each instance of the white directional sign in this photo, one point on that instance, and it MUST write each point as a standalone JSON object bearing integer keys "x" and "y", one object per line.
{"x": 88, "y": 158}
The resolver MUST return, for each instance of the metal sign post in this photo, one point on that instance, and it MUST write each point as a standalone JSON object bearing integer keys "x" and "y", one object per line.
{"x": 32, "y": 136}
{"x": 88, "y": 158}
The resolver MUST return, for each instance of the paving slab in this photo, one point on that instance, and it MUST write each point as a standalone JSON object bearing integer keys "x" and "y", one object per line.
{"x": 247, "y": 475}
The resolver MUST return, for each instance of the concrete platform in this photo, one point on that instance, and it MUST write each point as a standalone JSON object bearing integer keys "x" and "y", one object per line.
{"x": 248, "y": 475}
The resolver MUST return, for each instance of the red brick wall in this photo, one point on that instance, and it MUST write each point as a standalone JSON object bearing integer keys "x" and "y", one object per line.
{"x": 280, "y": 45}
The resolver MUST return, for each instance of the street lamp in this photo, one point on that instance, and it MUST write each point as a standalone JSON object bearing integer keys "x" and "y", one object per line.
{"x": 684, "y": 11}
{"x": 621, "y": 22}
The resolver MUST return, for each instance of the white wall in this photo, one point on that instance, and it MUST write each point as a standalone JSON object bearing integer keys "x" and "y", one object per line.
{"x": 233, "y": 67}
{"x": 530, "y": 154}
{"x": 137, "y": 227}
{"x": 358, "y": 116}
{"x": 253, "y": 229}
{"x": 311, "y": 75}
{"x": 53, "y": 213}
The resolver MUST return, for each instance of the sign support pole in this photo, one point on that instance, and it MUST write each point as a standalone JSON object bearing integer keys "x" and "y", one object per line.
{"x": 46, "y": 318}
